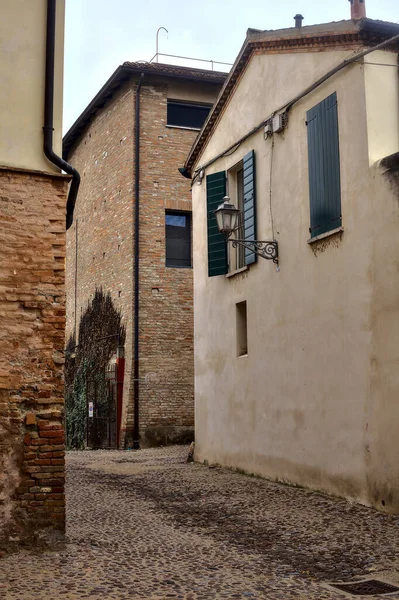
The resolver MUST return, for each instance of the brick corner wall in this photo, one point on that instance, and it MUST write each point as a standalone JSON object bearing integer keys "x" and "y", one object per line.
{"x": 32, "y": 334}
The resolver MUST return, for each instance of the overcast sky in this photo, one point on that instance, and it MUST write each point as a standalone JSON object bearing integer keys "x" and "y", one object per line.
{"x": 102, "y": 34}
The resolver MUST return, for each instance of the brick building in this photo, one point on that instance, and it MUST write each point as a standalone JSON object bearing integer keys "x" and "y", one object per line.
{"x": 146, "y": 115}
{"x": 33, "y": 196}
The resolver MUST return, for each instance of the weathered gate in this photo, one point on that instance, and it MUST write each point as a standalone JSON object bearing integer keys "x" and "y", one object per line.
{"x": 102, "y": 408}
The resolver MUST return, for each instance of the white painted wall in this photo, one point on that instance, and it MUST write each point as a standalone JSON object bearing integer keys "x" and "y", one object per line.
{"x": 307, "y": 405}
{"x": 22, "y": 72}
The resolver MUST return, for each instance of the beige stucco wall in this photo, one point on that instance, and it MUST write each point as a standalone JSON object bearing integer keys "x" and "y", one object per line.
{"x": 313, "y": 402}
{"x": 382, "y": 410}
{"x": 382, "y": 97}
{"x": 22, "y": 72}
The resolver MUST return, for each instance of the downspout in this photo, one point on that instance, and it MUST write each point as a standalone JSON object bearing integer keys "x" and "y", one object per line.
{"x": 136, "y": 370}
{"x": 76, "y": 281}
{"x": 49, "y": 115}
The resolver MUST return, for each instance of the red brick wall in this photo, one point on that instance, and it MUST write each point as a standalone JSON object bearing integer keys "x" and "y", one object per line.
{"x": 104, "y": 156}
{"x": 32, "y": 326}
{"x": 104, "y": 219}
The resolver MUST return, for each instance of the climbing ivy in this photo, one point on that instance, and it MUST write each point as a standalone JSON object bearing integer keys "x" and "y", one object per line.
{"x": 100, "y": 333}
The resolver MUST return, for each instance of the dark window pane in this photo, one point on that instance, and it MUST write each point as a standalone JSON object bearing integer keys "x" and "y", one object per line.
{"x": 187, "y": 115}
{"x": 178, "y": 239}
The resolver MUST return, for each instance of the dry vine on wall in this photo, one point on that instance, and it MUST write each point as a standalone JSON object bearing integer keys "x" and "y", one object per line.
{"x": 100, "y": 333}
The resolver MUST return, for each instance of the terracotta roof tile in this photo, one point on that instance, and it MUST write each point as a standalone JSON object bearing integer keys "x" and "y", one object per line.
{"x": 165, "y": 69}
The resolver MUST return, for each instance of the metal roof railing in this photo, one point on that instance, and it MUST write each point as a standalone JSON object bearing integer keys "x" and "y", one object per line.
{"x": 211, "y": 62}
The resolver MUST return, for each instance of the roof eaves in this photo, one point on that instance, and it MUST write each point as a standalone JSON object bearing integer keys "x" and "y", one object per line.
{"x": 376, "y": 26}
{"x": 223, "y": 94}
{"x": 189, "y": 73}
{"x": 99, "y": 99}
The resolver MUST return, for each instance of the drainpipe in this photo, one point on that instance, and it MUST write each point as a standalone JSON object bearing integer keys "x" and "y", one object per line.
{"x": 76, "y": 281}
{"x": 136, "y": 370}
{"x": 49, "y": 115}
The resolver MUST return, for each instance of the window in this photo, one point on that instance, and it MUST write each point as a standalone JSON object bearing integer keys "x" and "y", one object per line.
{"x": 324, "y": 167}
{"x": 178, "y": 239}
{"x": 241, "y": 327}
{"x": 186, "y": 114}
{"x": 242, "y": 191}
{"x": 236, "y": 256}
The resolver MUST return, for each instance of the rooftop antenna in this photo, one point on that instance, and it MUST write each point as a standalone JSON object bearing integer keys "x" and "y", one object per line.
{"x": 156, "y": 48}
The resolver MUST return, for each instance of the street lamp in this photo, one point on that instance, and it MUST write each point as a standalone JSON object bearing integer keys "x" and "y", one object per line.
{"x": 226, "y": 218}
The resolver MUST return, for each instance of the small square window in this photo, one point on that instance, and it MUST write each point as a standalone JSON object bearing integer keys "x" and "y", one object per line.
{"x": 178, "y": 239}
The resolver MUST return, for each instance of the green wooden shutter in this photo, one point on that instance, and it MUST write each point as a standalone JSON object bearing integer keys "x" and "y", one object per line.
{"x": 217, "y": 245}
{"x": 324, "y": 172}
{"x": 249, "y": 195}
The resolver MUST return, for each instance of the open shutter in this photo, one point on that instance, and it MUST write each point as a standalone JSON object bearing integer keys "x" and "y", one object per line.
{"x": 324, "y": 171}
{"x": 249, "y": 196}
{"x": 217, "y": 245}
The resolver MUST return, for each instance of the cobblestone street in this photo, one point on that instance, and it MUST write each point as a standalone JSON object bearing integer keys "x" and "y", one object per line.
{"x": 148, "y": 525}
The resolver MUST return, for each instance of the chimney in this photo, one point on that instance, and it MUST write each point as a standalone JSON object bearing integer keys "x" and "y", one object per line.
{"x": 358, "y": 9}
{"x": 298, "y": 20}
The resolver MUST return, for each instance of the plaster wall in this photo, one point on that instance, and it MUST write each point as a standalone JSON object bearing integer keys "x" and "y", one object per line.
{"x": 307, "y": 404}
{"x": 382, "y": 409}
{"x": 22, "y": 74}
{"x": 382, "y": 99}
{"x": 268, "y": 82}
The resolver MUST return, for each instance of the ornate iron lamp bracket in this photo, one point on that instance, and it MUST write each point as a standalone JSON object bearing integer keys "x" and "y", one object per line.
{"x": 265, "y": 249}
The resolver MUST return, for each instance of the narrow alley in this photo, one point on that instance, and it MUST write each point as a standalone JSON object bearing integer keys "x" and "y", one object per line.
{"x": 150, "y": 525}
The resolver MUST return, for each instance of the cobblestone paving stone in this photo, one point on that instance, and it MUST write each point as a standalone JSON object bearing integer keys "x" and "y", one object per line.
{"x": 148, "y": 525}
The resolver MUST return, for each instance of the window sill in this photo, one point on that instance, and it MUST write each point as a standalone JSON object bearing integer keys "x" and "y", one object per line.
{"x": 178, "y": 266}
{"x": 326, "y": 234}
{"x": 242, "y": 355}
{"x": 237, "y": 272}
{"x": 182, "y": 127}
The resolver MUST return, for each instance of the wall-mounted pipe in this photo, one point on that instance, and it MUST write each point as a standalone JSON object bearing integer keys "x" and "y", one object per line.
{"x": 48, "y": 126}
{"x": 76, "y": 279}
{"x": 136, "y": 369}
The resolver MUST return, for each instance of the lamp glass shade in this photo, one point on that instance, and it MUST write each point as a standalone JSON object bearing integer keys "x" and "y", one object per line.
{"x": 226, "y": 216}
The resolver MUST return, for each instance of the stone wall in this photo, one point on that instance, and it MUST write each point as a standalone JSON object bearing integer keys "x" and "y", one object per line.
{"x": 104, "y": 156}
{"x": 32, "y": 324}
